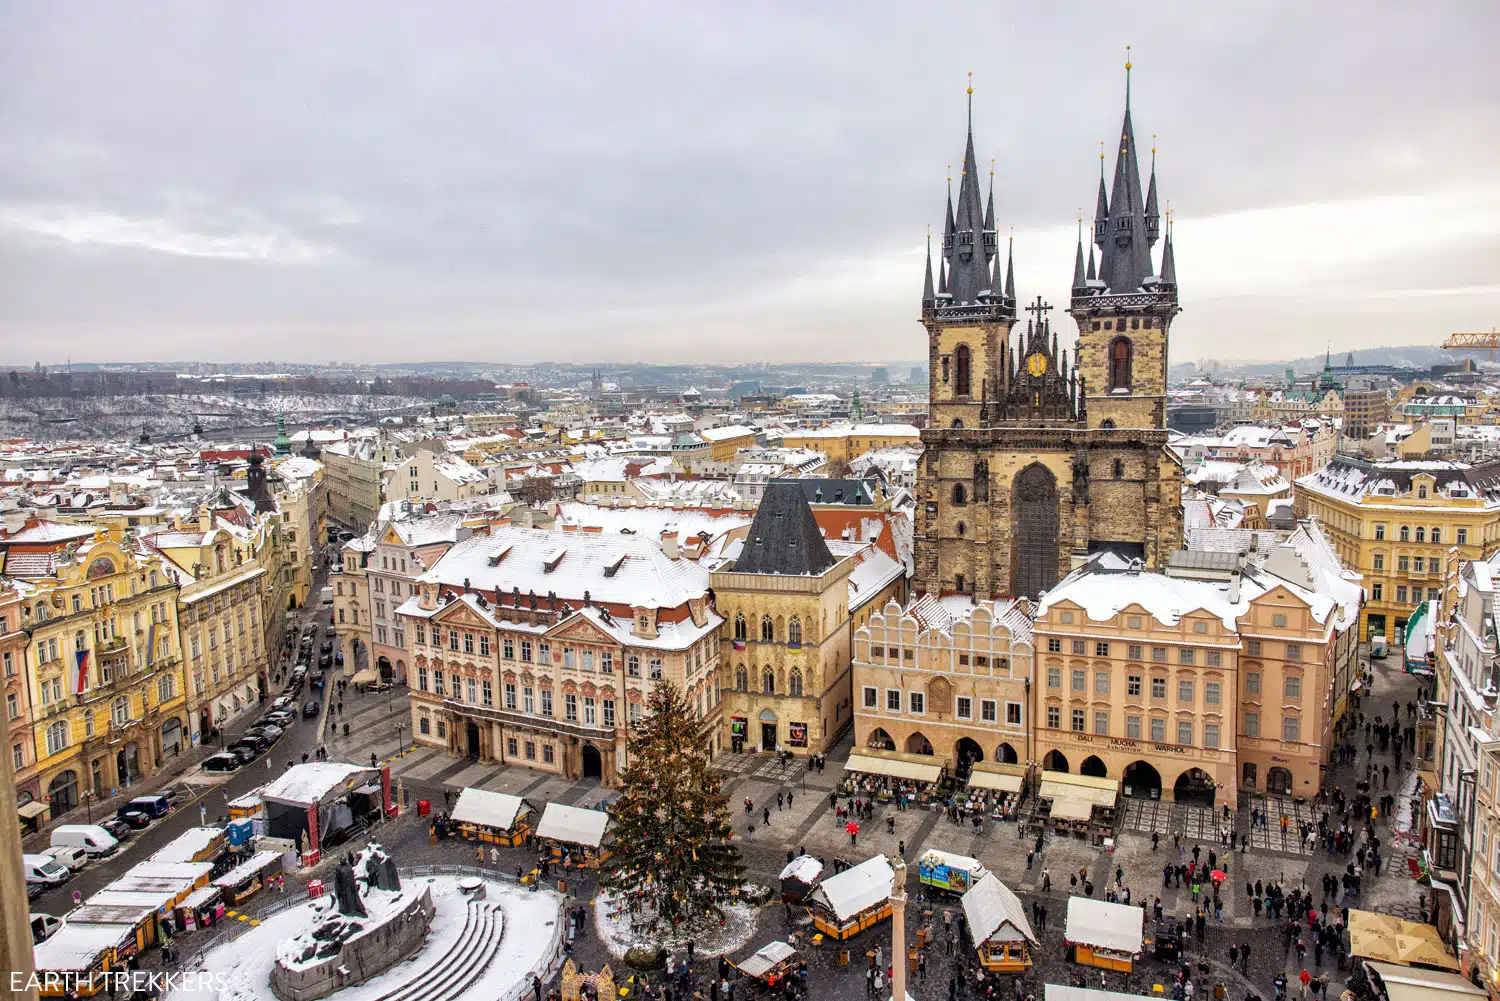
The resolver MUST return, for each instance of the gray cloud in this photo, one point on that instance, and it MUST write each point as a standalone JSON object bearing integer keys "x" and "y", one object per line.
{"x": 675, "y": 181}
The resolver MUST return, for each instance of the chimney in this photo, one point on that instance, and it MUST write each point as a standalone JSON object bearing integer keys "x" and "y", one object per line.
{"x": 1234, "y": 585}
{"x": 669, "y": 544}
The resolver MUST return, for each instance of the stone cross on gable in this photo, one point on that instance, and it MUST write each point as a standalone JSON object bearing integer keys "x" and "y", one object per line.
{"x": 1040, "y": 310}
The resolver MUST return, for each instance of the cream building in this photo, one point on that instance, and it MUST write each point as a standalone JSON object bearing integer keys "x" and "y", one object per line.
{"x": 791, "y": 603}
{"x": 429, "y": 476}
{"x": 354, "y": 471}
{"x": 948, "y": 677}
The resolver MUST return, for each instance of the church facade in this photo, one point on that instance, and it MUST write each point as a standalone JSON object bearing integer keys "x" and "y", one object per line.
{"x": 1034, "y": 459}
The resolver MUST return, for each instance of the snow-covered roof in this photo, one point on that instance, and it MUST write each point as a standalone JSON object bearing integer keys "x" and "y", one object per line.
{"x": 995, "y": 913}
{"x": 1116, "y": 927}
{"x": 488, "y": 809}
{"x": 725, "y": 433}
{"x": 803, "y": 868}
{"x": 308, "y": 783}
{"x": 189, "y": 844}
{"x": 856, "y": 889}
{"x": 573, "y": 825}
{"x": 77, "y": 946}
{"x": 254, "y": 864}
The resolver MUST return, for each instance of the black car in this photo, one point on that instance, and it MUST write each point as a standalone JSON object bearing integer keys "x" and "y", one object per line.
{"x": 319, "y": 681}
{"x": 327, "y": 646}
{"x": 246, "y": 750}
{"x": 310, "y": 709}
{"x": 135, "y": 818}
{"x": 267, "y": 733}
{"x": 325, "y": 660}
{"x": 224, "y": 761}
{"x": 118, "y": 828}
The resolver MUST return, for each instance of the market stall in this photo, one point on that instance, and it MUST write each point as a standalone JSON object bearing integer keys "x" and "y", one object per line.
{"x": 495, "y": 817}
{"x": 995, "y": 789}
{"x": 1405, "y": 983}
{"x": 846, "y": 904}
{"x": 196, "y": 844}
{"x": 202, "y": 908}
{"x": 72, "y": 959}
{"x": 998, "y": 926}
{"x": 1102, "y": 934}
{"x": 574, "y": 835}
{"x": 246, "y": 806}
{"x": 1389, "y": 939}
{"x": 885, "y": 775}
{"x": 245, "y": 879}
{"x": 770, "y": 964}
{"x": 1080, "y": 805}
{"x": 798, "y": 878}
{"x": 324, "y": 802}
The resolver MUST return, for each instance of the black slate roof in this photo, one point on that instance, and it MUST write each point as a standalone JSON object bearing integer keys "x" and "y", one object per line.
{"x": 784, "y": 537}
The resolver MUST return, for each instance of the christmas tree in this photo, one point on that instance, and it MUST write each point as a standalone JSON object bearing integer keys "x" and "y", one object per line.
{"x": 672, "y": 861}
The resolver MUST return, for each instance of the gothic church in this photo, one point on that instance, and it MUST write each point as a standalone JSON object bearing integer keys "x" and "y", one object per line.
{"x": 1034, "y": 461}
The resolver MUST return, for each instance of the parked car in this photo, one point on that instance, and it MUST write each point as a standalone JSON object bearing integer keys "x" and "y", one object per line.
{"x": 327, "y": 646}
{"x": 245, "y": 749}
{"x": 254, "y": 739}
{"x": 280, "y": 717}
{"x": 155, "y": 807}
{"x": 72, "y": 857}
{"x": 273, "y": 730}
{"x": 283, "y": 702}
{"x": 92, "y": 838}
{"x": 325, "y": 660}
{"x": 118, "y": 828}
{"x": 135, "y": 818}
{"x": 310, "y": 709}
{"x": 43, "y": 927}
{"x": 224, "y": 761}
{"x": 44, "y": 871}
{"x": 319, "y": 682}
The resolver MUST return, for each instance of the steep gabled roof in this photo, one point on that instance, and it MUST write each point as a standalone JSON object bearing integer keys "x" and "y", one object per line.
{"x": 784, "y": 537}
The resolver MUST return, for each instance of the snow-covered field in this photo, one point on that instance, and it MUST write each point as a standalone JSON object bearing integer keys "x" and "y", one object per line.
{"x": 614, "y": 928}
{"x": 170, "y": 413}
{"x": 241, "y": 969}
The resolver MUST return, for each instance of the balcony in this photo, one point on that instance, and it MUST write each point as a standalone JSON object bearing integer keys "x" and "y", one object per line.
{"x": 511, "y": 717}
{"x": 115, "y": 644}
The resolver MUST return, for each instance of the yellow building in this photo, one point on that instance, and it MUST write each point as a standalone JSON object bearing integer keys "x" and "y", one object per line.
{"x": 948, "y": 678}
{"x": 724, "y": 442}
{"x": 221, "y": 608}
{"x": 791, "y": 603}
{"x": 1393, "y": 521}
{"x": 1200, "y": 682}
{"x": 107, "y": 690}
{"x": 300, "y": 499}
{"x": 845, "y": 442}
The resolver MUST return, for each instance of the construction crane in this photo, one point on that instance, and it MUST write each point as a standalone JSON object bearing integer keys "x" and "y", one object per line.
{"x": 1473, "y": 340}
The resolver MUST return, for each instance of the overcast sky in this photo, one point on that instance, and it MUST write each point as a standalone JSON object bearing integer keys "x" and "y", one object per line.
{"x": 715, "y": 182}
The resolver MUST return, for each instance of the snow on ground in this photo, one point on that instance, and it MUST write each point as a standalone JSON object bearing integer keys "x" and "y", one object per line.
{"x": 242, "y": 968}
{"x": 613, "y": 924}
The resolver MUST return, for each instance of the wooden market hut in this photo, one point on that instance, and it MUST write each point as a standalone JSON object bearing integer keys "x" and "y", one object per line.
{"x": 846, "y": 904}
{"x": 495, "y": 817}
{"x": 798, "y": 878}
{"x": 998, "y": 926}
{"x": 1106, "y": 935}
{"x": 575, "y": 831}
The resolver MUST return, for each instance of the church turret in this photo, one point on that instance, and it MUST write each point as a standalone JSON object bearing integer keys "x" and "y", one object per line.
{"x": 970, "y": 244}
{"x": 1079, "y": 279}
{"x": 1168, "y": 282}
{"x": 1101, "y": 206}
{"x": 1153, "y": 217}
{"x": 929, "y": 296}
{"x": 1010, "y": 272}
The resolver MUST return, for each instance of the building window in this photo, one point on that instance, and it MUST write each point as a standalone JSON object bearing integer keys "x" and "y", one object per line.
{"x": 893, "y": 700}
{"x": 1054, "y": 645}
{"x": 1213, "y": 658}
{"x": 961, "y": 381}
{"x": 1211, "y": 735}
{"x": 958, "y": 494}
{"x": 740, "y": 632}
{"x": 1159, "y": 731}
{"x": 1133, "y": 727}
{"x": 1378, "y": 561}
{"x": 1436, "y": 534}
{"x": 1421, "y": 532}
{"x": 1133, "y": 685}
{"x": 546, "y": 702}
{"x": 1292, "y": 687}
{"x": 1463, "y": 536}
{"x": 606, "y": 662}
{"x": 511, "y": 746}
{"x": 794, "y": 632}
{"x": 916, "y": 702}
{"x": 437, "y": 682}
{"x": 1054, "y": 717}
{"x": 57, "y": 737}
{"x": 1079, "y": 647}
{"x": 1184, "y": 731}
{"x": 1080, "y": 680}
{"x": 120, "y": 711}
{"x": 570, "y": 707}
{"x": 872, "y": 697}
{"x": 531, "y": 750}
{"x": 1405, "y": 534}
{"x": 469, "y": 691}
{"x": 1291, "y": 729}
{"x": 1101, "y": 724}
{"x": 1185, "y": 692}
{"x": 1294, "y": 651}
{"x": 1158, "y": 688}
{"x": 608, "y": 706}
{"x": 1252, "y": 648}
{"x": 507, "y": 645}
{"x": 1101, "y": 682}
{"x": 653, "y": 669}
{"x": 1133, "y": 651}
{"x": 1252, "y": 723}
{"x": 1120, "y": 356}
{"x": 1186, "y": 657}
{"x": 1101, "y": 649}
{"x": 1403, "y": 564}
{"x": 1379, "y": 533}
{"x": 1211, "y": 693}
{"x": 1159, "y": 654}
{"x": 510, "y": 695}
{"x": 1377, "y": 591}
{"x": 794, "y": 682}
{"x": 528, "y": 700}
{"x": 633, "y": 665}
{"x": 767, "y": 629}
{"x": 1077, "y": 720}
{"x": 963, "y": 707}
{"x": 424, "y": 725}
{"x": 1054, "y": 677}
{"x": 526, "y": 651}
{"x": 421, "y": 679}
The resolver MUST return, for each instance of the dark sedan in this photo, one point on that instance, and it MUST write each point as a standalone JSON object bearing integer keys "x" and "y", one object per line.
{"x": 310, "y": 709}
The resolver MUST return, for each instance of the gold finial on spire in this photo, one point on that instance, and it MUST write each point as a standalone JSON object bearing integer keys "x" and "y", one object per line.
{"x": 950, "y": 173}
{"x": 1101, "y": 154}
{"x": 1127, "y": 58}
{"x": 1153, "y": 142}
{"x": 971, "y": 81}
{"x": 992, "y": 166}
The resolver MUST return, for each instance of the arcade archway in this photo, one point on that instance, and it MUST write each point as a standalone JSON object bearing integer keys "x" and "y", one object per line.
{"x": 1094, "y": 767}
{"x": 1194, "y": 787}
{"x": 917, "y": 743}
{"x": 1055, "y": 761}
{"x": 1005, "y": 754}
{"x": 1142, "y": 780}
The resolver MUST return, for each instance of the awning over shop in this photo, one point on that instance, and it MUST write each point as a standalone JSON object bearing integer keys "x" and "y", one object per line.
{"x": 367, "y": 676}
{"x": 1404, "y": 983}
{"x": 1086, "y": 788}
{"x": 995, "y": 775}
{"x": 895, "y": 764}
{"x": 1071, "y": 808}
{"x": 33, "y": 809}
{"x": 1389, "y": 939}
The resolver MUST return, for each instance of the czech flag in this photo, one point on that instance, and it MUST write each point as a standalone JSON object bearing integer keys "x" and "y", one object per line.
{"x": 82, "y": 656}
{"x": 738, "y": 644}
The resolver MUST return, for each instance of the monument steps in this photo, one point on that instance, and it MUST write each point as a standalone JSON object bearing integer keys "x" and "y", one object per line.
{"x": 464, "y": 962}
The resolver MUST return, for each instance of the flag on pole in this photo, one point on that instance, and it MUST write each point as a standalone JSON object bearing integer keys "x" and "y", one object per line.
{"x": 82, "y": 656}
{"x": 738, "y": 644}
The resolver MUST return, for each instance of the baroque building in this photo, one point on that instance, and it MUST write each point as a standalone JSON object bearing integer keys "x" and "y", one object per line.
{"x": 1034, "y": 460}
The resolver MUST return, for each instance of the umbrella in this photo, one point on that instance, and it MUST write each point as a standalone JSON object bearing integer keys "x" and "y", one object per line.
{"x": 852, "y": 828}
{"x": 1218, "y": 876}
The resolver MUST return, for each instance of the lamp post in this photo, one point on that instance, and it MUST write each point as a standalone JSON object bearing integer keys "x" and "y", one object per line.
{"x": 400, "y": 738}
{"x": 88, "y": 804}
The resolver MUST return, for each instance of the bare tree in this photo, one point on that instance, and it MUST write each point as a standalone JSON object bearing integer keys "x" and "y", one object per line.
{"x": 535, "y": 489}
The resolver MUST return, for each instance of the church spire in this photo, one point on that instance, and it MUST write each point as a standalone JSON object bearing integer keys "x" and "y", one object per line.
{"x": 1079, "y": 282}
{"x": 1168, "y": 261}
{"x": 1092, "y": 275}
{"x": 1153, "y": 218}
{"x": 1101, "y": 207}
{"x": 928, "y": 295}
{"x": 1010, "y": 269}
{"x": 989, "y": 208}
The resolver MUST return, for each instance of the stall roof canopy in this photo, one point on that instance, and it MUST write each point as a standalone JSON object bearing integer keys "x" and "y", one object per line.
{"x": 108, "y": 914}
{"x": 1389, "y": 939}
{"x": 33, "y": 809}
{"x": 188, "y": 845}
{"x": 1064, "y": 992}
{"x": 1087, "y": 788}
{"x": 1098, "y": 923}
{"x": 1071, "y": 808}
{"x": 857, "y": 889}
{"x": 202, "y": 895}
{"x": 310, "y": 783}
{"x": 995, "y": 913}
{"x": 997, "y": 775}
{"x": 573, "y": 824}
{"x": 1404, "y": 983}
{"x": 259, "y": 862}
{"x": 767, "y": 958}
{"x": 803, "y": 868}
{"x": 897, "y": 765}
{"x": 78, "y": 947}
{"x": 489, "y": 809}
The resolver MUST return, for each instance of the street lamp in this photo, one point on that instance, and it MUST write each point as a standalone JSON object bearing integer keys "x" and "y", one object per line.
{"x": 88, "y": 804}
{"x": 400, "y": 739}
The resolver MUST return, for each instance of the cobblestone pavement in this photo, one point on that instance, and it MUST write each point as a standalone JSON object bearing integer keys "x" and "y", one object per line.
{"x": 805, "y": 822}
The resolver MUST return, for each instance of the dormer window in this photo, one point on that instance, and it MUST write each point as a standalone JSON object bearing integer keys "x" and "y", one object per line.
{"x": 1422, "y": 494}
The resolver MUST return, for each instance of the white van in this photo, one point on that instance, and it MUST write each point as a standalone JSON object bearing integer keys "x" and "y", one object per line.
{"x": 44, "y": 869}
{"x": 93, "y": 839}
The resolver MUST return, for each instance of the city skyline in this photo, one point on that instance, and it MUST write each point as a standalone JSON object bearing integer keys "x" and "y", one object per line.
{"x": 527, "y": 189}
